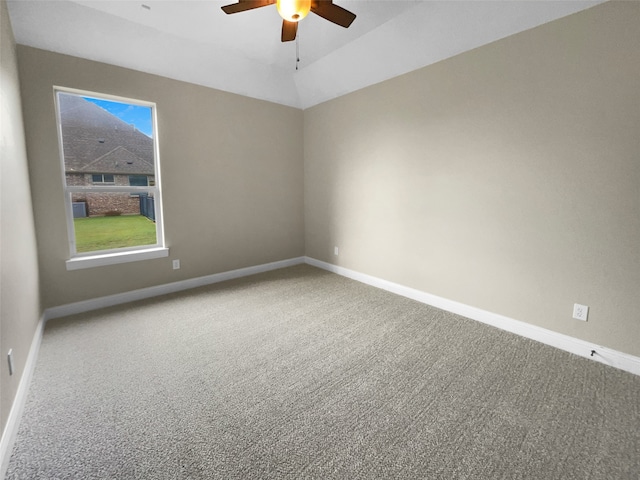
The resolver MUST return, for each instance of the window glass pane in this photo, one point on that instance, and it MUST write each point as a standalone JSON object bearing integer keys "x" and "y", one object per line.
{"x": 106, "y": 220}
{"x": 138, "y": 181}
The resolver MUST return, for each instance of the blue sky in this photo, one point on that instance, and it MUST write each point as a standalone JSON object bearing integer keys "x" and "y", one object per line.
{"x": 138, "y": 115}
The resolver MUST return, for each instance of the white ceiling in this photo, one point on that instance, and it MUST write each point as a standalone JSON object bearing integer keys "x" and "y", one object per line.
{"x": 195, "y": 41}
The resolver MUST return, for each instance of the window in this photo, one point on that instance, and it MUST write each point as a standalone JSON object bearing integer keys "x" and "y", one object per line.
{"x": 102, "y": 178}
{"x": 138, "y": 180}
{"x": 111, "y": 177}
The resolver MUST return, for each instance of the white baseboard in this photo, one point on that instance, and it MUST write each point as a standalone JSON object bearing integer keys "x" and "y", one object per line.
{"x": 126, "y": 297}
{"x": 605, "y": 355}
{"x": 13, "y": 421}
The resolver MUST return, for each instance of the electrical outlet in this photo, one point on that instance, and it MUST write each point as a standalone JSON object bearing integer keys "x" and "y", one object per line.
{"x": 580, "y": 312}
{"x": 176, "y": 264}
{"x": 335, "y": 251}
{"x": 10, "y": 359}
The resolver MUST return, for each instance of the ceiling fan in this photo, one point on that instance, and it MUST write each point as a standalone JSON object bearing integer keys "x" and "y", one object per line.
{"x": 292, "y": 11}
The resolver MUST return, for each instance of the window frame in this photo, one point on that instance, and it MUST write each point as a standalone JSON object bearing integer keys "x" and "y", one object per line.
{"x": 80, "y": 260}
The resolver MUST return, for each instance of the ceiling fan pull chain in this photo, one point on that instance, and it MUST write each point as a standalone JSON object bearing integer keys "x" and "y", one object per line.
{"x": 297, "y": 51}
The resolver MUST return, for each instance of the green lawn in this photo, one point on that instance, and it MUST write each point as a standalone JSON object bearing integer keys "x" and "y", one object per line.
{"x": 103, "y": 233}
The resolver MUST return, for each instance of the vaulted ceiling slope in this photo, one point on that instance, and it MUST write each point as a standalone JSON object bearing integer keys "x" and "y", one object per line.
{"x": 195, "y": 41}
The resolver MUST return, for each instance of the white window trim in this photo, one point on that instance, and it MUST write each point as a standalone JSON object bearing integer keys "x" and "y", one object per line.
{"x": 90, "y": 261}
{"x": 121, "y": 255}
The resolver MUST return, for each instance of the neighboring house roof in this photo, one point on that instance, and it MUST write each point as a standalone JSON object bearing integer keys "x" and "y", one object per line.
{"x": 95, "y": 141}
{"x": 118, "y": 160}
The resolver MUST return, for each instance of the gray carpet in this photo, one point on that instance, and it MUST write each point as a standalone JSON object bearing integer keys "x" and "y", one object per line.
{"x": 299, "y": 373}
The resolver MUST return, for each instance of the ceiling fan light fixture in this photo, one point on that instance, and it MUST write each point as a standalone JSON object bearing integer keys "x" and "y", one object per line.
{"x": 293, "y": 10}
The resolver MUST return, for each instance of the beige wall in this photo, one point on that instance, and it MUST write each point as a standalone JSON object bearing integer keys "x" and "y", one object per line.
{"x": 19, "y": 294}
{"x": 232, "y": 177}
{"x": 506, "y": 178}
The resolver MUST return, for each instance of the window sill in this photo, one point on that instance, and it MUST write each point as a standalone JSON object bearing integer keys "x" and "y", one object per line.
{"x": 79, "y": 263}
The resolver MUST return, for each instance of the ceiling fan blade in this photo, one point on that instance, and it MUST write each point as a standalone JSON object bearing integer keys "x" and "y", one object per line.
{"x": 289, "y": 30}
{"x": 244, "y": 5}
{"x": 327, "y": 10}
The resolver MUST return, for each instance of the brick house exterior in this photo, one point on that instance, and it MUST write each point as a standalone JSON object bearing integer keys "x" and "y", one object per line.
{"x": 101, "y": 149}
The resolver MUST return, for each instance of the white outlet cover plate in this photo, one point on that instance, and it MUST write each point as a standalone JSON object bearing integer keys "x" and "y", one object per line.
{"x": 580, "y": 312}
